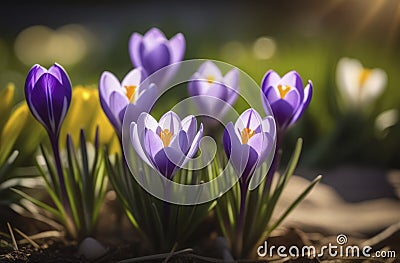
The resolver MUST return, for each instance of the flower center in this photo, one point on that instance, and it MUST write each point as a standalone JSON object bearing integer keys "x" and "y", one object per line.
{"x": 130, "y": 91}
{"x": 283, "y": 90}
{"x": 246, "y": 134}
{"x": 363, "y": 76}
{"x": 166, "y": 137}
{"x": 210, "y": 79}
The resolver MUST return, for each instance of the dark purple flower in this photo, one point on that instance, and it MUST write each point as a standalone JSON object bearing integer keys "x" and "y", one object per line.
{"x": 249, "y": 142}
{"x": 48, "y": 94}
{"x": 154, "y": 51}
{"x": 115, "y": 96}
{"x": 208, "y": 82}
{"x": 287, "y": 96}
{"x": 168, "y": 144}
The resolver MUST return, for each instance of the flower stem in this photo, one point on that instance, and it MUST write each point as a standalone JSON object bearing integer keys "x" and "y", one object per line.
{"x": 57, "y": 158}
{"x": 238, "y": 246}
{"x": 274, "y": 164}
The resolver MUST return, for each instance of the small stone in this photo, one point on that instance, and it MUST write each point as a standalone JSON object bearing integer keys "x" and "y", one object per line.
{"x": 90, "y": 248}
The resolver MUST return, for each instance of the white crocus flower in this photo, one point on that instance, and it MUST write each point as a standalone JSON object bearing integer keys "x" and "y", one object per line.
{"x": 359, "y": 86}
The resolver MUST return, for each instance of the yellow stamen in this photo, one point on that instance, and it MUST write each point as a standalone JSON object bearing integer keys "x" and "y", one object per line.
{"x": 130, "y": 91}
{"x": 166, "y": 137}
{"x": 210, "y": 79}
{"x": 283, "y": 90}
{"x": 246, "y": 134}
{"x": 363, "y": 76}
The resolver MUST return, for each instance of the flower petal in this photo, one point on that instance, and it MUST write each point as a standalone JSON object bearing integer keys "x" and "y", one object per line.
{"x": 270, "y": 79}
{"x": 374, "y": 86}
{"x": 153, "y": 143}
{"x": 155, "y": 58}
{"x": 170, "y": 121}
{"x": 189, "y": 125}
{"x": 134, "y": 78}
{"x": 209, "y": 69}
{"x": 293, "y": 79}
{"x": 177, "y": 47}
{"x": 134, "y": 44}
{"x": 283, "y": 113}
{"x": 249, "y": 119}
{"x": 135, "y": 141}
{"x": 167, "y": 161}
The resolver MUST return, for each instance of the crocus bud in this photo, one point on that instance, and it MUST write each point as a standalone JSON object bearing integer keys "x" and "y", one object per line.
{"x": 287, "y": 97}
{"x": 48, "y": 94}
{"x": 154, "y": 51}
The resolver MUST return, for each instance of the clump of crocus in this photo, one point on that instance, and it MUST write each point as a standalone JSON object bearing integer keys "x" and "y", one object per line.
{"x": 48, "y": 94}
{"x": 168, "y": 144}
{"x": 153, "y": 50}
{"x": 359, "y": 86}
{"x": 115, "y": 96}
{"x": 287, "y": 97}
{"x": 214, "y": 92}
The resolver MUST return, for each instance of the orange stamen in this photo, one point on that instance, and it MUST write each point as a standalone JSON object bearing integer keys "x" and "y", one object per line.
{"x": 130, "y": 91}
{"x": 283, "y": 90}
{"x": 246, "y": 134}
{"x": 166, "y": 137}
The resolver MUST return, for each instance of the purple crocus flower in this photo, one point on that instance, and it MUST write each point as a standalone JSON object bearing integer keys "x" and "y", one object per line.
{"x": 168, "y": 144}
{"x": 248, "y": 143}
{"x": 207, "y": 82}
{"x": 115, "y": 96}
{"x": 287, "y": 96}
{"x": 154, "y": 51}
{"x": 48, "y": 95}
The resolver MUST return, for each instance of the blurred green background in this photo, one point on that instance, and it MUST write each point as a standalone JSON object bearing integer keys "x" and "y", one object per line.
{"x": 308, "y": 36}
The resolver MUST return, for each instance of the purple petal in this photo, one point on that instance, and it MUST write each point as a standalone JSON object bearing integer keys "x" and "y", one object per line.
{"x": 293, "y": 79}
{"x": 270, "y": 79}
{"x": 34, "y": 74}
{"x": 249, "y": 119}
{"x": 146, "y": 121}
{"x": 231, "y": 81}
{"x": 195, "y": 143}
{"x": 108, "y": 83}
{"x": 229, "y": 137}
{"x": 283, "y": 112}
{"x": 153, "y": 143}
{"x": 118, "y": 103}
{"x": 308, "y": 91}
{"x": 293, "y": 98}
{"x": 209, "y": 69}
{"x": 177, "y": 47}
{"x": 135, "y": 141}
{"x": 134, "y": 44}
{"x": 189, "y": 125}
{"x": 170, "y": 121}
{"x": 59, "y": 72}
{"x": 154, "y": 58}
{"x": 180, "y": 142}
{"x": 153, "y": 35}
{"x": 144, "y": 102}
{"x": 49, "y": 102}
{"x": 166, "y": 161}
{"x": 134, "y": 78}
